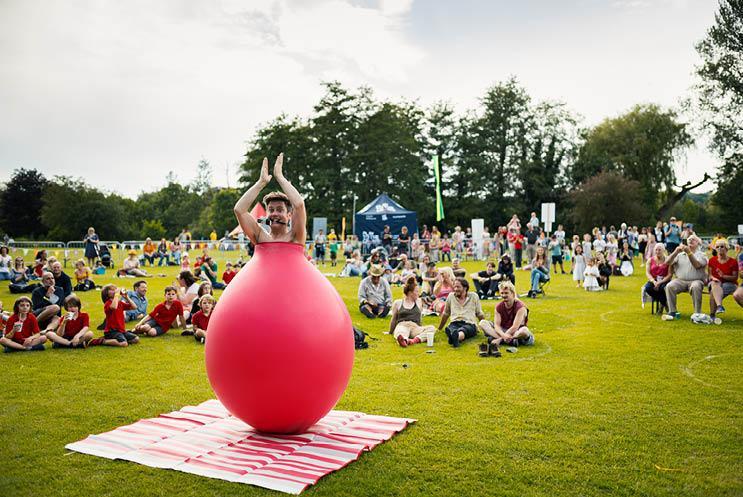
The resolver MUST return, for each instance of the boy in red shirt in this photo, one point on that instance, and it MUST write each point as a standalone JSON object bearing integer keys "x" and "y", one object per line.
{"x": 73, "y": 330}
{"x": 228, "y": 274}
{"x": 162, "y": 317}
{"x": 22, "y": 330}
{"x": 117, "y": 302}
{"x": 200, "y": 320}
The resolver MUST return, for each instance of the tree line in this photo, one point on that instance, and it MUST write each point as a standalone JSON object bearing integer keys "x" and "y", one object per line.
{"x": 507, "y": 155}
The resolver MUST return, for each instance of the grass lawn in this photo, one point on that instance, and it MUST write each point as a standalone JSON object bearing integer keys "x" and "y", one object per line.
{"x": 610, "y": 401}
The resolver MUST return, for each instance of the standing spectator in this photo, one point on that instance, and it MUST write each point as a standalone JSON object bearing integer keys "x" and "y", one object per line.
{"x": 723, "y": 277}
{"x": 5, "y": 264}
{"x": 532, "y": 236}
{"x": 688, "y": 264}
{"x": 659, "y": 233}
{"x": 658, "y": 276}
{"x": 404, "y": 241}
{"x": 435, "y": 244}
{"x": 487, "y": 243}
{"x": 320, "y": 248}
{"x": 649, "y": 248}
{"x": 148, "y": 251}
{"x": 138, "y": 297}
{"x": 162, "y": 252}
{"x": 375, "y": 294}
{"x": 518, "y": 244}
{"x": 642, "y": 244}
{"x": 465, "y": 311}
{"x": 22, "y": 329}
{"x": 672, "y": 236}
{"x": 579, "y": 265}
{"x": 555, "y": 249}
{"x": 47, "y": 302}
{"x": 91, "y": 246}
{"x": 61, "y": 279}
{"x": 534, "y": 220}
{"x": 560, "y": 235}
{"x": 387, "y": 239}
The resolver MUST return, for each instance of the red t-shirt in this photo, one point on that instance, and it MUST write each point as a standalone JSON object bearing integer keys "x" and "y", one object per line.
{"x": 507, "y": 316}
{"x": 719, "y": 269}
{"x": 30, "y": 327}
{"x": 72, "y": 328}
{"x": 518, "y": 242}
{"x": 115, "y": 317}
{"x": 164, "y": 317}
{"x": 227, "y": 277}
{"x": 200, "y": 320}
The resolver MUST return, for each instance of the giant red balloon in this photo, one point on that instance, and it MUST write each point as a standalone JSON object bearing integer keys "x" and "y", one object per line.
{"x": 280, "y": 348}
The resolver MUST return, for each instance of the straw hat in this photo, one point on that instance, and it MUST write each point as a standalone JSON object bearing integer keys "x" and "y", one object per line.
{"x": 132, "y": 252}
{"x": 376, "y": 270}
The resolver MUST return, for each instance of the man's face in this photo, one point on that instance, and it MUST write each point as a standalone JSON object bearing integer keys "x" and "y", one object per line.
{"x": 375, "y": 279}
{"x": 693, "y": 244}
{"x": 57, "y": 268}
{"x": 491, "y": 268}
{"x": 506, "y": 294}
{"x": 459, "y": 289}
{"x": 47, "y": 280}
{"x": 455, "y": 264}
{"x": 277, "y": 211}
{"x": 142, "y": 289}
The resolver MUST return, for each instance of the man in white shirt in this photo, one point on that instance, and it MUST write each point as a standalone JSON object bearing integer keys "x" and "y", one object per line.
{"x": 688, "y": 264}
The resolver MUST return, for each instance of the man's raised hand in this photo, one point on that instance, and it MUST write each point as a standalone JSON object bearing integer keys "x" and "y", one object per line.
{"x": 278, "y": 167}
{"x": 265, "y": 177}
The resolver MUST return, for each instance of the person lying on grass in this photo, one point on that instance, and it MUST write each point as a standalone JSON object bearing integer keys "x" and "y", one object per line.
{"x": 405, "y": 324}
{"x": 74, "y": 328}
{"x": 22, "y": 330}
{"x": 285, "y": 211}
{"x": 465, "y": 310}
{"x": 159, "y": 321}
{"x": 115, "y": 334}
{"x": 200, "y": 320}
{"x": 509, "y": 325}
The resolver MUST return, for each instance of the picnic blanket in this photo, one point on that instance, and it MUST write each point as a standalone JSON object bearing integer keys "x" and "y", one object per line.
{"x": 206, "y": 440}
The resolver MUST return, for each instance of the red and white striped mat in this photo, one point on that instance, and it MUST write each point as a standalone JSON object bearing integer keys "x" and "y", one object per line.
{"x": 206, "y": 440}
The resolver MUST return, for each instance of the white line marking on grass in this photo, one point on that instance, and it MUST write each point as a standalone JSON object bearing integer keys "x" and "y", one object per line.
{"x": 603, "y": 318}
{"x": 688, "y": 370}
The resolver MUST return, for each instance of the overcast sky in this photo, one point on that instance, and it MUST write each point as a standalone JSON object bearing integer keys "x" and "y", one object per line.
{"x": 120, "y": 93}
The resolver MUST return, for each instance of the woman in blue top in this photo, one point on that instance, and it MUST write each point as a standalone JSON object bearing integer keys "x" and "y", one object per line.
{"x": 672, "y": 235}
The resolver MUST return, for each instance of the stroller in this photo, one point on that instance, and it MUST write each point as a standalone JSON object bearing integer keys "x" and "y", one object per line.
{"x": 104, "y": 253}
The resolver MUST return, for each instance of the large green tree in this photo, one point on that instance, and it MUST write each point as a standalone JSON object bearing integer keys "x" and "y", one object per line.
{"x": 21, "y": 202}
{"x": 70, "y": 206}
{"x": 607, "y": 198}
{"x": 719, "y": 105}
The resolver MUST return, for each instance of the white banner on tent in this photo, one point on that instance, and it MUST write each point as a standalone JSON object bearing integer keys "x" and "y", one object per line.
{"x": 548, "y": 216}
{"x": 478, "y": 226}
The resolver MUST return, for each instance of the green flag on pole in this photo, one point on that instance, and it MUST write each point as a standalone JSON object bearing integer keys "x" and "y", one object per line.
{"x": 439, "y": 201}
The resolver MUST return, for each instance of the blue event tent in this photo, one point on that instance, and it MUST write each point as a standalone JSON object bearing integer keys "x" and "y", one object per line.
{"x": 384, "y": 211}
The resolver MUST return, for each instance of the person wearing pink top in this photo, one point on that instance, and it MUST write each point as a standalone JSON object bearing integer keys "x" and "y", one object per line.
{"x": 658, "y": 275}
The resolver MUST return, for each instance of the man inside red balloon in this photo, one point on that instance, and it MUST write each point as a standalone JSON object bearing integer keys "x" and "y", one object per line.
{"x": 285, "y": 211}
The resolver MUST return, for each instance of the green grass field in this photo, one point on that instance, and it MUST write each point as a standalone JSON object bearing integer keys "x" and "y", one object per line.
{"x": 610, "y": 401}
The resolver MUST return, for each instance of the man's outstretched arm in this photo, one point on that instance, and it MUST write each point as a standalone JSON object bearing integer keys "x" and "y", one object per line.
{"x": 299, "y": 214}
{"x": 248, "y": 223}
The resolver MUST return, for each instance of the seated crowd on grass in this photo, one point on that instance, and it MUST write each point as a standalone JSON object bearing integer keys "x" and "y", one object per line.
{"x": 673, "y": 259}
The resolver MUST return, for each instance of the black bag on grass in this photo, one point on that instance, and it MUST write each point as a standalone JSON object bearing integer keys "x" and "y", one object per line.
{"x": 359, "y": 339}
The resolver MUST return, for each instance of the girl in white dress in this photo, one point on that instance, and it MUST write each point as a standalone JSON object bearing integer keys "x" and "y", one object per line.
{"x": 587, "y": 245}
{"x": 579, "y": 265}
{"x": 591, "y": 274}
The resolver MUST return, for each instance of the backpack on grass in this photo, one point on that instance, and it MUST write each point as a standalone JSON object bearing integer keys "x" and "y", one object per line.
{"x": 359, "y": 339}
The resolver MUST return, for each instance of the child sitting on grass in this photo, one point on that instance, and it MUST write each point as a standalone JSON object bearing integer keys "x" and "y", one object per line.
{"x": 228, "y": 274}
{"x": 115, "y": 334}
{"x": 73, "y": 331}
{"x": 22, "y": 331}
{"x": 200, "y": 320}
{"x": 162, "y": 317}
